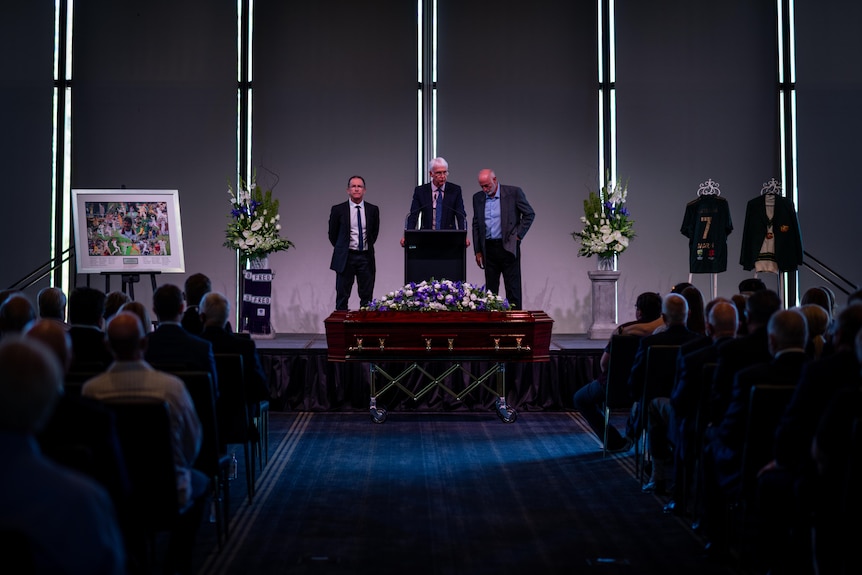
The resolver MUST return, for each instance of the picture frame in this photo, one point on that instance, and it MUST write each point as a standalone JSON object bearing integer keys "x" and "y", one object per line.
{"x": 127, "y": 231}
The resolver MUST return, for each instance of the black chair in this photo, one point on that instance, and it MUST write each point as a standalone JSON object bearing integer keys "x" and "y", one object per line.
{"x": 658, "y": 382}
{"x": 233, "y": 414}
{"x": 211, "y": 459}
{"x": 145, "y": 434}
{"x": 622, "y": 351}
{"x": 694, "y": 472}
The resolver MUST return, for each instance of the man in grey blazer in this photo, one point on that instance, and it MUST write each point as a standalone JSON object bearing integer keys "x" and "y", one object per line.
{"x": 501, "y": 218}
{"x": 353, "y": 229}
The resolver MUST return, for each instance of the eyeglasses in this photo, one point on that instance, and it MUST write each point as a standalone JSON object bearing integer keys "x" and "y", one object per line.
{"x": 440, "y": 173}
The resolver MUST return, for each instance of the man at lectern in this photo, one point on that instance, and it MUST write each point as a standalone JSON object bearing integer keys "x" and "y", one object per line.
{"x": 437, "y": 205}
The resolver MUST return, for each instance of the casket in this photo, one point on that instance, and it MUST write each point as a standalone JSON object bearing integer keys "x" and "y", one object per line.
{"x": 500, "y": 336}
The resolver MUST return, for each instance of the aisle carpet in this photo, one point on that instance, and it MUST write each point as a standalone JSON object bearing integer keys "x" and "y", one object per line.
{"x": 448, "y": 494}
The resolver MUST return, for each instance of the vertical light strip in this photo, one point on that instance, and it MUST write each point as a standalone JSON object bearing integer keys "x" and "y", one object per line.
{"x": 601, "y": 79}
{"x": 612, "y": 79}
{"x": 60, "y": 238}
{"x": 66, "y": 273}
{"x": 420, "y": 122}
{"x": 249, "y": 89}
{"x": 433, "y": 83}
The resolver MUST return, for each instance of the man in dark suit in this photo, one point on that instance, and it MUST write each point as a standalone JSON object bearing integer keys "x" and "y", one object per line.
{"x": 86, "y": 317}
{"x": 501, "y": 218}
{"x": 742, "y": 352}
{"x": 170, "y": 346}
{"x": 196, "y": 287}
{"x": 353, "y": 229}
{"x": 214, "y": 311}
{"x": 439, "y": 202}
{"x": 674, "y": 310}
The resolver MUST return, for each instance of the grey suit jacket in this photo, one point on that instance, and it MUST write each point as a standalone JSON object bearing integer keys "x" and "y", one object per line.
{"x": 516, "y": 217}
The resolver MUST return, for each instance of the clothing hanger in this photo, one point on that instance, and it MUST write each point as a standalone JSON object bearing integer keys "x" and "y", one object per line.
{"x": 772, "y": 188}
{"x": 708, "y": 188}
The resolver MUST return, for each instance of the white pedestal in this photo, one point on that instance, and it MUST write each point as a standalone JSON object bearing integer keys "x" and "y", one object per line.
{"x": 604, "y": 304}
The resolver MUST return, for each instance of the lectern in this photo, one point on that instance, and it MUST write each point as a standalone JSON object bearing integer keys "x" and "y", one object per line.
{"x": 440, "y": 254}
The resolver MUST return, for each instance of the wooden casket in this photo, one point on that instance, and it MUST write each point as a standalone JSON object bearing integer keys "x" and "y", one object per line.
{"x": 499, "y": 336}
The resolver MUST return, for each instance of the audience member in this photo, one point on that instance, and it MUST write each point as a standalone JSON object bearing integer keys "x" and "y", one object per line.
{"x": 51, "y": 304}
{"x": 739, "y": 301}
{"x": 214, "y": 311}
{"x": 142, "y": 312}
{"x": 742, "y": 351}
{"x": 787, "y": 495}
{"x": 195, "y": 288}
{"x": 86, "y": 316}
{"x": 690, "y": 387}
{"x": 68, "y": 517}
{"x": 171, "y": 346}
{"x": 818, "y": 322}
{"x": 675, "y": 313}
{"x": 113, "y": 302}
{"x": 750, "y": 285}
{"x": 81, "y": 433}
{"x": 590, "y": 399}
{"x": 725, "y": 441}
{"x": 131, "y": 377}
{"x": 836, "y": 454}
{"x": 15, "y": 313}
{"x": 696, "y": 321}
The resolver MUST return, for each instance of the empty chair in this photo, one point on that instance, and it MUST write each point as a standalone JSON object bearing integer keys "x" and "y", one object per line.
{"x": 658, "y": 382}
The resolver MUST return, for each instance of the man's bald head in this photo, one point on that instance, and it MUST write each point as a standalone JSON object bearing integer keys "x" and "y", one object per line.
{"x": 723, "y": 320}
{"x": 55, "y": 337}
{"x": 126, "y": 336}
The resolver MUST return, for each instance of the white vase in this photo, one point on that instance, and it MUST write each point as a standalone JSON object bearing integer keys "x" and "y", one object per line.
{"x": 607, "y": 264}
{"x": 258, "y": 263}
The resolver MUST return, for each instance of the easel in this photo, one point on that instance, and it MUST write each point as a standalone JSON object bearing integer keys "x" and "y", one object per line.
{"x": 128, "y": 281}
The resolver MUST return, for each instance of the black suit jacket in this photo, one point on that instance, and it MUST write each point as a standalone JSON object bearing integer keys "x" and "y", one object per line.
{"x": 820, "y": 381}
{"x": 257, "y": 388}
{"x": 673, "y": 335}
{"x": 173, "y": 345}
{"x": 733, "y": 356}
{"x": 89, "y": 347}
{"x": 339, "y": 233}
{"x": 452, "y": 216}
{"x": 730, "y": 432}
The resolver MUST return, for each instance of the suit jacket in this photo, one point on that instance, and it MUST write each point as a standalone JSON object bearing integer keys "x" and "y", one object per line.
{"x": 516, "y": 217}
{"x": 452, "y": 217}
{"x": 171, "y": 344}
{"x": 89, "y": 347}
{"x": 733, "y": 356}
{"x": 728, "y": 437}
{"x": 785, "y": 227}
{"x": 257, "y": 388}
{"x": 339, "y": 232}
{"x": 673, "y": 335}
{"x": 820, "y": 381}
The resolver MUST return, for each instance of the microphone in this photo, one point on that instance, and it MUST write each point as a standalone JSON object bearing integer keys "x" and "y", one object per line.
{"x": 411, "y": 213}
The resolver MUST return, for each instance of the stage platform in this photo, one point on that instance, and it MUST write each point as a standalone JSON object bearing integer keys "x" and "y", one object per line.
{"x": 302, "y": 379}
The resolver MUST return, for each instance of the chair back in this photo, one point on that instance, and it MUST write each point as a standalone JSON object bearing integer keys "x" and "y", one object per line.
{"x": 660, "y": 371}
{"x": 145, "y": 434}
{"x": 622, "y": 351}
{"x": 766, "y": 405}
{"x": 231, "y": 406}
{"x": 199, "y": 384}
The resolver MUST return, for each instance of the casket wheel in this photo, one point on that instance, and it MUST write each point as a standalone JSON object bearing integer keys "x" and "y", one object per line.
{"x": 378, "y": 415}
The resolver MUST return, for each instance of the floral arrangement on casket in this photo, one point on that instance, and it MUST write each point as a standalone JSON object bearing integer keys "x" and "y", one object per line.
{"x": 254, "y": 227}
{"x": 608, "y": 227}
{"x": 439, "y": 295}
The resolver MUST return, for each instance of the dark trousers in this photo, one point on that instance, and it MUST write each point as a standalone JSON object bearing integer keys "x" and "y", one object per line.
{"x": 590, "y": 401}
{"x": 500, "y": 262}
{"x": 361, "y": 269}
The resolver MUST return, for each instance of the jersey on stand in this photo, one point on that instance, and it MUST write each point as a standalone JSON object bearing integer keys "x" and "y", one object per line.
{"x": 707, "y": 224}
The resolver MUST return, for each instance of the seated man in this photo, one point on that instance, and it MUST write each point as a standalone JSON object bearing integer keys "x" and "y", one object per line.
{"x": 590, "y": 399}
{"x": 67, "y": 516}
{"x": 130, "y": 377}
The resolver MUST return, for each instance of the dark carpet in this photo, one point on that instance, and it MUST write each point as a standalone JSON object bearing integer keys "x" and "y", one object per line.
{"x": 447, "y": 494}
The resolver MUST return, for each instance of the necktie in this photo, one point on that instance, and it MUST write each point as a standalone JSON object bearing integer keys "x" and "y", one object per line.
{"x": 438, "y": 213}
{"x": 359, "y": 226}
